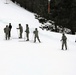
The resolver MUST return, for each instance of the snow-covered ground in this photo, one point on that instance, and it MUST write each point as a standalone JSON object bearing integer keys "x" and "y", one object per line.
{"x": 18, "y": 57}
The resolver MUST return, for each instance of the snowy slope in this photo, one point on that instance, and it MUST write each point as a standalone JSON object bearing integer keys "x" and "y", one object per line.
{"x": 18, "y": 57}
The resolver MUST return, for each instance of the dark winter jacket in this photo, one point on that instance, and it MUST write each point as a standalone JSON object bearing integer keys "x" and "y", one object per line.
{"x": 36, "y": 32}
{"x": 20, "y": 28}
{"x": 10, "y": 27}
{"x": 64, "y": 38}
{"x": 6, "y": 30}
{"x": 27, "y": 30}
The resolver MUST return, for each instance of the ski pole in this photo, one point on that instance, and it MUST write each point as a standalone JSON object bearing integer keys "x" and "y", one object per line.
{"x": 24, "y": 35}
{"x": 17, "y": 33}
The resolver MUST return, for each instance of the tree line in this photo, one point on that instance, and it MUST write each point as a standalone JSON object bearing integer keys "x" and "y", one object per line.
{"x": 62, "y": 12}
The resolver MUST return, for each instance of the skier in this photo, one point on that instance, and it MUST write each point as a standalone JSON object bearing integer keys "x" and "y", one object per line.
{"x": 36, "y": 35}
{"x": 10, "y": 27}
{"x": 27, "y": 32}
{"x": 6, "y": 31}
{"x": 64, "y": 41}
{"x": 21, "y": 30}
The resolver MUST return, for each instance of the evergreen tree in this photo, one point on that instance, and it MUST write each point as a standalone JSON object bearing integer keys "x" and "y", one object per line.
{"x": 61, "y": 11}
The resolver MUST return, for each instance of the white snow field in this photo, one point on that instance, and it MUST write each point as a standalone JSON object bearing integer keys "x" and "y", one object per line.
{"x": 18, "y": 57}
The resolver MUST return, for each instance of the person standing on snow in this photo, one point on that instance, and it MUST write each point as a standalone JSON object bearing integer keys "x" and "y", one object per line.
{"x": 6, "y": 31}
{"x": 64, "y": 41}
{"x": 10, "y": 27}
{"x": 36, "y": 35}
{"x": 27, "y": 32}
{"x": 20, "y": 30}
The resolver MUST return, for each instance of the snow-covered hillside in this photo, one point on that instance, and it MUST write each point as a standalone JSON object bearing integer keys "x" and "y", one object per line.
{"x": 18, "y": 57}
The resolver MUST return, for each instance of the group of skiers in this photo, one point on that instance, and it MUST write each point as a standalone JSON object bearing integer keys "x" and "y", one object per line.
{"x": 7, "y": 31}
